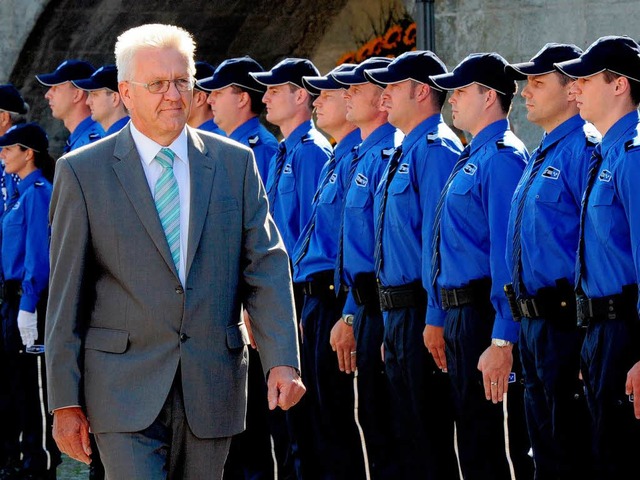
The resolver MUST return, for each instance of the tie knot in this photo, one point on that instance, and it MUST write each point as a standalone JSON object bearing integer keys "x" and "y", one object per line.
{"x": 165, "y": 157}
{"x": 282, "y": 148}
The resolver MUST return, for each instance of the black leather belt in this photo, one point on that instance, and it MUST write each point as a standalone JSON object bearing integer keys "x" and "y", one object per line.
{"x": 552, "y": 303}
{"x": 611, "y": 307}
{"x": 403, "y": 296}
{"x": 321, "y": 284}
{"x": 476, "y": 292}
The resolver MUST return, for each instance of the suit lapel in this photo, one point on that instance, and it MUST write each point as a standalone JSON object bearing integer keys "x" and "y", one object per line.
{"x": 202, "y": 169}
{"x": 134, "y": 182}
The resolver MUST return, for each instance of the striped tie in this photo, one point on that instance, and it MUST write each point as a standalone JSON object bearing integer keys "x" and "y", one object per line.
{"x": 167, "y": 198}
{"x": 275, "y": 178}
{"x": 435, "y": 232}
{"x": 391, "y": 172}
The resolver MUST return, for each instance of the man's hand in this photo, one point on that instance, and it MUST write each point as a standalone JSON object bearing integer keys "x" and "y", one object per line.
{"x": 632, "y": 387}
{"x": 71, "y": 433}
{"x": 284, "y": 387}
{"x": 434, "y": 341}
{"x": 495, "y": 364}
{"x": 343, "y": 342}
{"x": 247, "y": 322}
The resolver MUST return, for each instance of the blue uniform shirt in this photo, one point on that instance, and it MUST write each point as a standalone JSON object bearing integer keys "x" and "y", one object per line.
{"x": 323, "y": 243}
{"x": 612, "y": 220}
{"x": 85, "y": 133}
{"x": 264, "y": 145}
{"x": 358, "y": 233}
{"x": 25, "y": 239}
{"x": 307, "y": 152}
{"x": 117, "y": 126}
{"x": 429, "y": 153}
{"x": 210, "y": 126}
{"x": 473, "y": 226}
{"x": 551, "y": 214}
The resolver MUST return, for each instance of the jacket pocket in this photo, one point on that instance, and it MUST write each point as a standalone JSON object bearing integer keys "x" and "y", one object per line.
{"x": 106, "y": 340}
{"x": 237, "y": 336}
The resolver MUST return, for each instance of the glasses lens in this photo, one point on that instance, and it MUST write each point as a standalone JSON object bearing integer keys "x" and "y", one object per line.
{"x": 159, "y": 86}
{"x": 184, "y": 84}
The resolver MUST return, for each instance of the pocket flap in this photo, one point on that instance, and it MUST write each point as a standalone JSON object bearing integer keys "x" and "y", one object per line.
{"x": 107, "y": 340}
{"x": 237, "y": 335}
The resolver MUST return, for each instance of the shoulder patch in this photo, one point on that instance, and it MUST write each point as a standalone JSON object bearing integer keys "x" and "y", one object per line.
{"x": 605, "y": 176}
{"x": 253, "y": 141}
{"x": 361, "y": 180}
{"x": 551, "y": 172}
{"x": 287, "y": 169}
{"x": 94, "y": 136}
{"x": 403, "y": 169}
{"x": 470, "y": 169}
{"x": 38, "y": 184}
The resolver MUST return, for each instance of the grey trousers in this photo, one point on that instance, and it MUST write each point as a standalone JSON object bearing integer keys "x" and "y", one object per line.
{"x": 166, "y": 450}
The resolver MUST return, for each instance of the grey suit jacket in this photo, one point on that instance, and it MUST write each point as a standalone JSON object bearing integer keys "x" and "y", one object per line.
{"x": 119, "y": 322}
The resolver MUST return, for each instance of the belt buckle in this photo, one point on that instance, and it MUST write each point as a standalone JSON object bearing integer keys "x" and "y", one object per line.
{"x": 444, "y": 298}
{"x": 529, "y": 307}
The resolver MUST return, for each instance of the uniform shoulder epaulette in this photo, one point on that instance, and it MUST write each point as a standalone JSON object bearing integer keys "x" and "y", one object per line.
{"x": 387, "y": 152}
{"x": 253, "y": 141}
{"x": 433, "y": 138}
{"x": 502, "y": 144}
{"x": 633, "y": 143}
{"x": 94, "y": 136}
{"x": 38, "y": 184}
{"x": 307, "y": 138}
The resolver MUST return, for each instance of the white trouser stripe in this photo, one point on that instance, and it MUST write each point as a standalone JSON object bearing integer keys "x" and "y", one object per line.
{"x": 363, "y": 442}
{"x": 506, "y": 436}
{"x": 43, "y": 413}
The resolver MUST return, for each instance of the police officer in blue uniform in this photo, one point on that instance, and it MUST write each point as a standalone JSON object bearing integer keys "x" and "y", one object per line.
{"x": 13, "y": 109}
{"x": 542, "y": 240}
{"x": 68, "y": 103}
{"x": 608, "y": 93}
{"x": 236, "y": 102}
{"x": 292, "y": 181}
{"x": 404, "y": 209}
{"x": 235, "y": 99}
{"x": 25, "y": 273}
{"x": 357, "y": 336}
{"x": 336, "y": 442}
{"x": 201, "y": 115}
{"x": 103, "y": 99}
{"x": 469, "y": 271}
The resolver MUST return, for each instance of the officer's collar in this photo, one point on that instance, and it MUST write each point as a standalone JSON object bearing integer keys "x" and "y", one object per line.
{"x": 488, "y": 133}
{"x": 244, "y": 129}
{"x": 618, "y": 130}
{"x": 565, "y": 128}
{"x": 297, "y": 134}
{"x": 420, "y": 131}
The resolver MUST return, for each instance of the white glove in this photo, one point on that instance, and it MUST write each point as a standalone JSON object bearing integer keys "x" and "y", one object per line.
{"x": 28, "y": 326}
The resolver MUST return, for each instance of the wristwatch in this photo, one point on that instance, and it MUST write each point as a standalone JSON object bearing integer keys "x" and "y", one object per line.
{"x": 498, "y": 342}
{"x": 348, "y": 319}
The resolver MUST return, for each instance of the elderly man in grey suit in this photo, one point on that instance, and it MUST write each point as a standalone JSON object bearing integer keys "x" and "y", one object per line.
{"x": 159, "y": 235}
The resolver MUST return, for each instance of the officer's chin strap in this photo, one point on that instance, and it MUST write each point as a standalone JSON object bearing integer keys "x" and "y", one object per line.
{"x": 363, "y": 442}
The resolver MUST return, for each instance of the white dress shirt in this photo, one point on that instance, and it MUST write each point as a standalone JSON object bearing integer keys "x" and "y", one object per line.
{"x": 148, "y": 149}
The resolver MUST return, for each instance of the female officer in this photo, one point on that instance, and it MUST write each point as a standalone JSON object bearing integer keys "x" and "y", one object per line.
{"x": 25, "y": 271}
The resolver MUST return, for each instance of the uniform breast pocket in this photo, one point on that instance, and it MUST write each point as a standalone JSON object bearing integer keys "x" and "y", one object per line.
{"x": 601, "y": 203}
{"x": 328, "y": 194}
{"x": 399, "y": 201}
{"x": 460, "y": 194}
{"x": 358, "y": 197}
{"x": 287, "y": 184}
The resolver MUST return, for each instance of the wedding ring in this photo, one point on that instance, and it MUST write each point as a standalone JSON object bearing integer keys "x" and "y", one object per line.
{"x": 494, "y": 383}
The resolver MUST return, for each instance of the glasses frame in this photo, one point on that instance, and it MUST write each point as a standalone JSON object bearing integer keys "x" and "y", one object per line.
{"x": 165, "y": 85}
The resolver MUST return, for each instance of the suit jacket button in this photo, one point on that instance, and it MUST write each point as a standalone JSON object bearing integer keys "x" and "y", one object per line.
{"x": 183, "y": 337}
{"x": 179, "y": 290}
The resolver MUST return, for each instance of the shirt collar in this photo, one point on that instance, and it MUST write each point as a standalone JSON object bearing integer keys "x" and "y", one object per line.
{"x": 29, "y": 180}
{"x": 117, "y": 126}
{"x": 347, "y": 143}
{"x": 148, "y": 149}
{"x": 376, "y": 136}
{"x": 244, "y": 129}
{"x": 297, "y": 134}
{"x": 622, "y": 126}
{"x": 82, "y": 127}
{"x": 562, "y": 130}
{"x": 488, "y": 133}
{"x": 420, "y": 131}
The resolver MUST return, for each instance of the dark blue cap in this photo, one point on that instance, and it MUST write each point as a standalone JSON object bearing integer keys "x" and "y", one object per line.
{"x": 234, "y": 71}
{"x": 356, "y": 76}
{"x": 417, "y": 65}
{"x": 104, "y": 77}
{"x": 28, "y": 135}
{"x": 11, "y": 100}
{"x": 289, "y": 70}
{"x": 617, "y": 54}
{"x": 66, "y": 71}
{"x": 486, "y": 69}
{"x": 544, "y": 61}
{"x": 314, "y": 85}
{"x": 203, "y": 70}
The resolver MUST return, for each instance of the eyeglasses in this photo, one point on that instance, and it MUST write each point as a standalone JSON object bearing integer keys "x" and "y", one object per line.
{"x": 162, "y": 86}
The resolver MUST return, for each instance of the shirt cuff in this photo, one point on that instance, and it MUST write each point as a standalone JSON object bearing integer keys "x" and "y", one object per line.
{"x": 435, "y": 316}
{"x": 505, "y": 329}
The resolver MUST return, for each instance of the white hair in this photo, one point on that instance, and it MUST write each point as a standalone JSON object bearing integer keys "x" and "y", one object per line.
{"x": 152, "y": 36}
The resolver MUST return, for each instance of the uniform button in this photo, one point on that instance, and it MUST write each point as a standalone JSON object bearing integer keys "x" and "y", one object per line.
{"x": 610, "y": 301}
{"x": 183, "y": 337}
{"x": 179, "y": 290}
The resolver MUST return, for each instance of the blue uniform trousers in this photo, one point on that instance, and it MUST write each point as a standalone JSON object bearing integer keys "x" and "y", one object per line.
{"x": 421, "y": 399}
{"x": 335, "y": 438}
{"x": 557, "y": 415}
{"x": 610, "y": 349}
{"x": 28, "y": 387}
{"x": 480, "y": 423}
{"x": 373, "y": 394}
